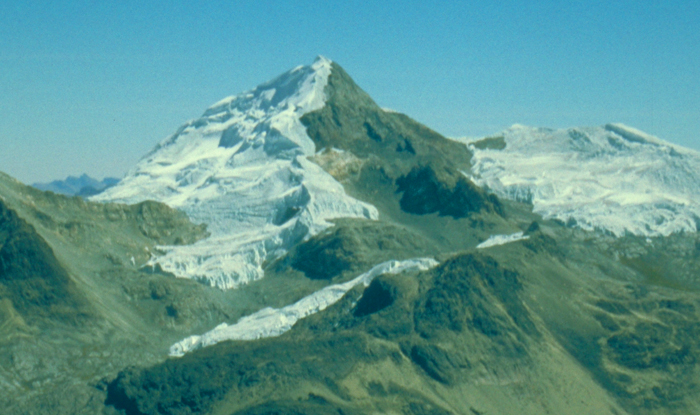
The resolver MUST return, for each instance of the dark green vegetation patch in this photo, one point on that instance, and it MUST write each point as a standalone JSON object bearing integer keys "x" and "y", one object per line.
{"x": 448, "y": 193}
{"x": 378, "y": 296}
{"x": 32, "y": 279}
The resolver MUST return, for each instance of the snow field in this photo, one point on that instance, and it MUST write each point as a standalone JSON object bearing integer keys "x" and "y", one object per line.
{"x": 242, "y": 169}
{"x": 612, "y": 178}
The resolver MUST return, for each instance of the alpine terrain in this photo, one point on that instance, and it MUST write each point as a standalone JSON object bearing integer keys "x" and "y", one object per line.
{"x": 300, "y": 250}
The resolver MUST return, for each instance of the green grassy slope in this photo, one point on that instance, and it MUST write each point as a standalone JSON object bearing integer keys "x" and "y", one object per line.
{"x": 76, "y": 305}
{"x": 34, "y": 287}
{"x": 527, "y": 328}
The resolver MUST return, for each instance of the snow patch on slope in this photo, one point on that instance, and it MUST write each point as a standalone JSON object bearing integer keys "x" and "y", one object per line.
{"x": 502, "y": 240}
{"x": 242, "y": 169}
{"x": 272, "y": 322}
{"x": 613, "y": 178}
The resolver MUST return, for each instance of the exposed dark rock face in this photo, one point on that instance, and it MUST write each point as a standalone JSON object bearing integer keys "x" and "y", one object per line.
{"x": 354, "y": 247}
{"x": 324, "y": 258}
{"x": 424, "y": 165}
{"x": 164, "y": 224}
{"x": 448, "y": 194}
{"x": 353, "y": 122}
{"x": 378, "y": 296}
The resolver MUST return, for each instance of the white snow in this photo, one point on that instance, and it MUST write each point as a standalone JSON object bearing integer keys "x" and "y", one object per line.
{"x": 502, "y": 240}
{"x": 242, "y": 169}
{"x": 465, "y": 139}
{"x": 271, "y": 322}
{"x": 612, "y": 178}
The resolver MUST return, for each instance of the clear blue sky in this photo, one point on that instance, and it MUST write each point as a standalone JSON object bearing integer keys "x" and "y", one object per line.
{"x": 90, "y": 86}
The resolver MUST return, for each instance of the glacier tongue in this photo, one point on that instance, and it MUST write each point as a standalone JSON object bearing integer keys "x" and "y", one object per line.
{"x": 242, "y": 169}
{"x": 495, "y": 240}
{"x": 272, "y": 322}
{"x": 613, "y": 178}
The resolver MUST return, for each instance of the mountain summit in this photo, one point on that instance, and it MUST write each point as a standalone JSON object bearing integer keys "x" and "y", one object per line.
{"x": 263, "y": 169}
{"x": 242, "y": 169}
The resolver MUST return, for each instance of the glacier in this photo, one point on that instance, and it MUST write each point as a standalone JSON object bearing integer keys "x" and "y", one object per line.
{"x": 495, "y": 240}
{"x": 271, "y": 322}
{"x": 242, "y": 169}
{"x": 612, "y": 178}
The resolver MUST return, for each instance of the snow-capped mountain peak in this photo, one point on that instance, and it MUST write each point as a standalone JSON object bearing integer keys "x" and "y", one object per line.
{"x": 613, "y": 178}
{"x": 242, "y": 169}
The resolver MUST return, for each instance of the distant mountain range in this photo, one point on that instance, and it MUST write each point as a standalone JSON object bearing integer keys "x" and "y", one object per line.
{"x": 300, "y": 250}
{"x": 77, "y": 186}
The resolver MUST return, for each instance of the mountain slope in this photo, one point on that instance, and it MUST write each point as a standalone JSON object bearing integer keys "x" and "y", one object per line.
{"x": 523, "y": 315}
{"x": 531, "y": 327}
{"x": 425, "y": 166}
{"x": 404, "y": 168}
{"x": 74, "y": 307}
{"x": 79, "y": 302}
{"x": 242, "y": 170}
{"x": 33, "y": 284}
{"x": 612, "y": 178}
